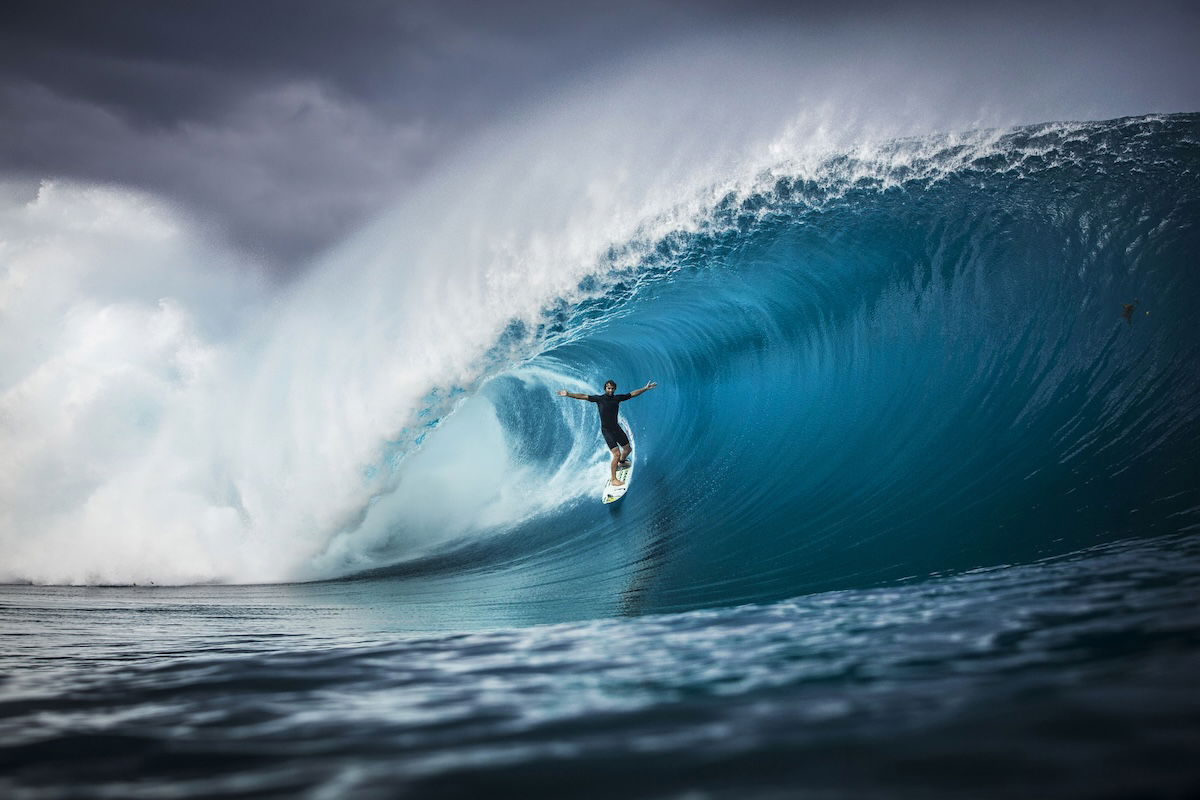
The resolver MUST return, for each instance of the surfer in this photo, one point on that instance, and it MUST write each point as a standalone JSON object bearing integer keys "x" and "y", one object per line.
{"x": 606, "y": 404}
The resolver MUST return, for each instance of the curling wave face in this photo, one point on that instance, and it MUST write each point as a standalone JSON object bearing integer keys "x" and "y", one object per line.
{"x": 891, "y": 361}
{"x": 886, "y": 373}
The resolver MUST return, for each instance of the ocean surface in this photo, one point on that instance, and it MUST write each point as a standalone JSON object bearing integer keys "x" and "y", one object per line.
{"x": 916, "y": 513}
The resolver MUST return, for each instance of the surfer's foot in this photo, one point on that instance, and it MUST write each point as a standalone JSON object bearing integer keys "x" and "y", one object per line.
{"x": 616, "y": 482}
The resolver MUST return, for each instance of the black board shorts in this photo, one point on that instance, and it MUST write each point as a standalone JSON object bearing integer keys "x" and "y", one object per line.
{"x": 615, "y": 437}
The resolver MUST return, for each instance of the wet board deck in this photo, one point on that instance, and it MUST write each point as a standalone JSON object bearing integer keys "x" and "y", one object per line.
{"x": 611, "y": 493}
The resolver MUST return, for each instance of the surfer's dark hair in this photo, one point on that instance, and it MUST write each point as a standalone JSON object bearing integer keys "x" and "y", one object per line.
{"x": 614, "y": 384}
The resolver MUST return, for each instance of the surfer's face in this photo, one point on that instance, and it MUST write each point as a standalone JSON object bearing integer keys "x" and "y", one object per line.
{"x": 609, "y": 388}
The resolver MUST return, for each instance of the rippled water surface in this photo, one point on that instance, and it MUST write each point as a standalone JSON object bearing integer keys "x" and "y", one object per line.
{"x": 1073, "y": 676}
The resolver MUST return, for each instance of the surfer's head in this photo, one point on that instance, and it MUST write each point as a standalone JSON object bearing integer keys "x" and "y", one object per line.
{"x": 610, "y": 387}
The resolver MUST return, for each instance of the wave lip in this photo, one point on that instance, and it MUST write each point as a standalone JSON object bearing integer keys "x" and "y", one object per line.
{"x": 862, "y": 381}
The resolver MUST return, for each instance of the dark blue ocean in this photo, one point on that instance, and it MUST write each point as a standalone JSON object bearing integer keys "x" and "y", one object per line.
{"x": 916, "y": 513}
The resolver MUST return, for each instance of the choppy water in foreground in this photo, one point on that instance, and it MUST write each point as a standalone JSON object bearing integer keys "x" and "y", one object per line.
{"x": 1071, "y": 677}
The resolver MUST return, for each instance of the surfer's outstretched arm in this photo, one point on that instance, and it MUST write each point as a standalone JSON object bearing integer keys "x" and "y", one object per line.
{"x": 572, "y": 395}
{"x": 649, "y": 385}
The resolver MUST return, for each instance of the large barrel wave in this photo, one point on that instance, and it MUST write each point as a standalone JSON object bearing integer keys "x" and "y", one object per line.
{"x": 982, "y": 352}
{"x": 900, "y": 359}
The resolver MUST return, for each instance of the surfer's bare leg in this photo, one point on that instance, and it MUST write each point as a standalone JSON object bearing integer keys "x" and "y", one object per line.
{"x": 616, "y": 453}
{"x": 627, "y": 449}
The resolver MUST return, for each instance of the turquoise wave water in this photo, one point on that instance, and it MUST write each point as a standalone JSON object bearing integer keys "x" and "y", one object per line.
{"x": 878, "y": 373}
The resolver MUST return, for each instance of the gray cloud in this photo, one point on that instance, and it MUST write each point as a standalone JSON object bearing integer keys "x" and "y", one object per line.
{"x": 281, "y": 123}
{"x": 285, "y": 123}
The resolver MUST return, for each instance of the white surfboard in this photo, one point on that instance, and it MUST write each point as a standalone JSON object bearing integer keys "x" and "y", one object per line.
{"x": 624, "y": 473}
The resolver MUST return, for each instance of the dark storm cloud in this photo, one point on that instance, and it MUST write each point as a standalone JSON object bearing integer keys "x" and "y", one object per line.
{"x": 285, "y": 123}
{"x": 282, "y": 123}
{"x": 167, "y": 62}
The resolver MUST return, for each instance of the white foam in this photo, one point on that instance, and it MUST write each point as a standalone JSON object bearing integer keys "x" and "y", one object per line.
{"x": 469, "y": 481}
{"x": 97, "y": 359}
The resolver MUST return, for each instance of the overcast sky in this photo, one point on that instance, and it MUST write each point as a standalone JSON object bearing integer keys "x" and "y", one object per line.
{"x": 284, "y": 124}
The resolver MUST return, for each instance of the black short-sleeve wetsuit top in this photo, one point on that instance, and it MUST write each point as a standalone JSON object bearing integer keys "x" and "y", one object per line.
{"x": 607, "y": 406}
